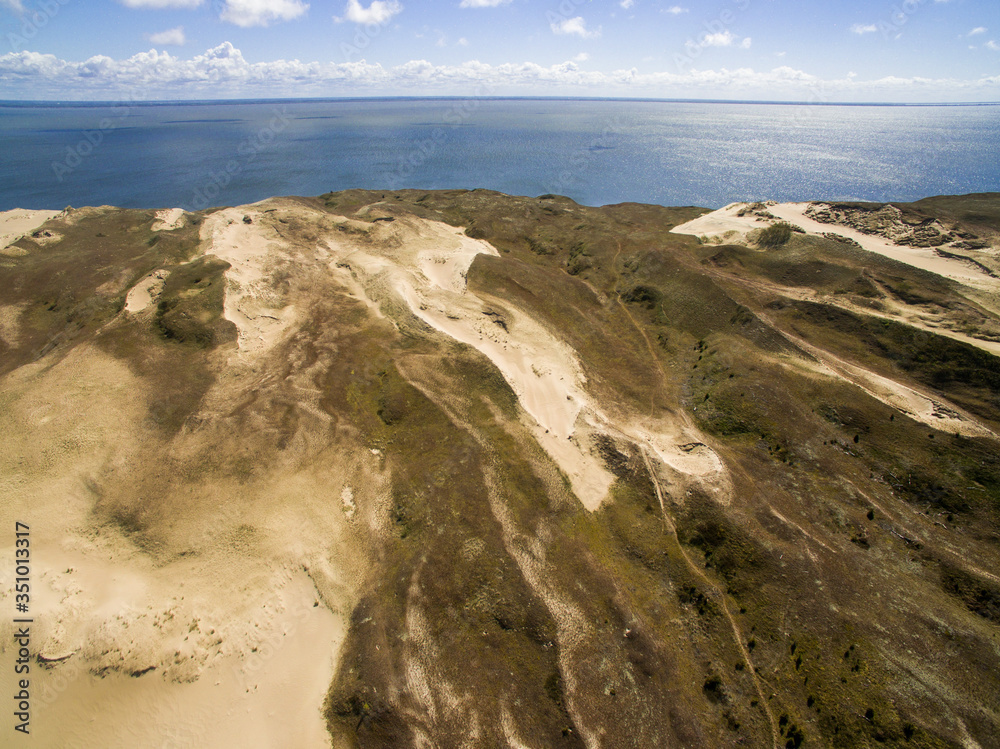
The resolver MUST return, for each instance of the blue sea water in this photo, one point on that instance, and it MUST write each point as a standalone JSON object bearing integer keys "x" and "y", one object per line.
{"x": 195, "y": 155}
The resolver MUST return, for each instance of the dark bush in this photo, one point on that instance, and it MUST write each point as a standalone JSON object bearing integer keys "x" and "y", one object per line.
{"x": 774, "y": 236}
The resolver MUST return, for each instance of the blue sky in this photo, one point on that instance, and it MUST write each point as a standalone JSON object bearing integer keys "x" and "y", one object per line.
{"x": 904, "y": 50}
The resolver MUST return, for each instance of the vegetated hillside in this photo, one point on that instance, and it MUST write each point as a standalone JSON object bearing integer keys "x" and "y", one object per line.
{"x": 564, "y": 478}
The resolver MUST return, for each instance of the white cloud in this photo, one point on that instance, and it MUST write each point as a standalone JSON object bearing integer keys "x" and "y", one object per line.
{"x": 462, "y": 42}
{"x": 993, "y": 45}
{"x": 174, "y": 37}
{"x": 864, "y": 28}
{"x": 161, "y": 3}
{"x": 626, "y": 4}
{"x": 575, "y": 25}
{"x": 14, "y": 5}
{"x": 725, "y": 39}
{"x": 248, "y": 13}
{"x": 482, "y": 3}
{"x": 223, "y": 72}
{"x": 978, "y": 30}
{"x": 582, "y": 57}
{"x": 675, "y": 10}
{"x": 378, "y": 13}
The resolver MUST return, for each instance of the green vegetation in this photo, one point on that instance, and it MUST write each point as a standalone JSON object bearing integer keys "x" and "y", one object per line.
{"x": 807, "y": 561}
{"x": 774, "y": 236}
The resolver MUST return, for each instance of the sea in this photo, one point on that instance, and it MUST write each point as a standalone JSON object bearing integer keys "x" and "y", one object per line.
{"x": 194, "y": 155}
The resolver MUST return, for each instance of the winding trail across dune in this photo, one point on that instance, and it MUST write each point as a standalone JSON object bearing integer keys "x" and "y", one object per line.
{"x": 671, "y": 528}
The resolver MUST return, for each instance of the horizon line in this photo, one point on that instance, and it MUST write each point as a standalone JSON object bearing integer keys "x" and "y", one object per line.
{"x": 455, "y": 97}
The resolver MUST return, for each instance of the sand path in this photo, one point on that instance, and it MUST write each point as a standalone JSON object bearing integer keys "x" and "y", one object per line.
{"x": 930, "y": 410}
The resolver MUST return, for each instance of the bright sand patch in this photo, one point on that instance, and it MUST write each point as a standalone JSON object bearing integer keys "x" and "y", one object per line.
{"x": 144, "y": 293}
{"x": 723, "y": 221}
{"x": 18, "y": 222}
{"x": 233, "y": 645}
{"x": 924, "y": 258}
{"x": 251, "y": 303}
{"x": 425, "y": 264}
{"x": 261, "y": 689}
{"x": 920, "y": 407}
{"x": 168, "y": 220}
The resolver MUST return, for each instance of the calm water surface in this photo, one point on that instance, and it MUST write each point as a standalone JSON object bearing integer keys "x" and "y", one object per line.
{"x": 597, "y": 152}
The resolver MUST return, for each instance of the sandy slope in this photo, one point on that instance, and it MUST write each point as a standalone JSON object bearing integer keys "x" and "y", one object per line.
{"x": 141, "y": 296}
{"x": 425, "y": 264}
{"x": 18, "y": 222}
{"x": 924, "y": 258}
{"x": 252, "y": 303}
{"x": 725, "y": 224}
{"x": 932, "y": 411}
{"x": 226, "y": 641}
{"x": 234, "y": 647}
{"x": 233, "y": 637}
{"x": 169, "y": 219}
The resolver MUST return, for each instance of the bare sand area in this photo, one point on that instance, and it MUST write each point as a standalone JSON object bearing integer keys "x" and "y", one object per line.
{"x": 726, "y": 224}
{"x": 228, "y": 630}
{"x": 18, "y": 222}
{"x": 168, "y": 219}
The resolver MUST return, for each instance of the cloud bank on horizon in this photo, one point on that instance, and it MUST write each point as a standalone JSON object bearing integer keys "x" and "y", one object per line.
{"x": 911, "y": 51}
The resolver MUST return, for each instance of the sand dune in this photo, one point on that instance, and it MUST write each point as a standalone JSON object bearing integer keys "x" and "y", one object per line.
{"x": 726, "y": 224}
{"x": 226, "y": 531}
{"x": 18, "y": 222}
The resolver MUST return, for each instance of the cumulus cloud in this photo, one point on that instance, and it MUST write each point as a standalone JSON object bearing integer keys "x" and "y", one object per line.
{"x": 14, "y": 5}
{"x": 156, "y": 4}
{"x": 170, "y": 37}
{"x": 248, "y": 13}
{"x": 378, "y": 13}
{"x": 978, "y": 30}
{"x": 725, "y": 39}
{"x": 993, "y": 45}
{"x": 626, "y": 4}
{"x": 223, "y": 72}
{"x": 570, "y": 26}
{"x": 482, "y": 3}
{"x": 864, "y": 28}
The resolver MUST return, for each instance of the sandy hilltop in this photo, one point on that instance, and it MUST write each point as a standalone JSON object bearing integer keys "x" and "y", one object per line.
{"x": 456, "y": 468}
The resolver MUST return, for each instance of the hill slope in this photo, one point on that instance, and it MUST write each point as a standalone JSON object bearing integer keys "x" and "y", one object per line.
{"x": 464, "y": 469}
